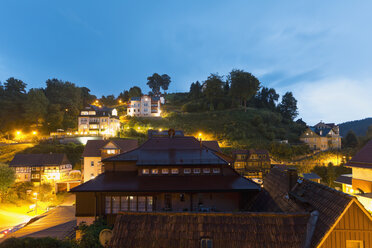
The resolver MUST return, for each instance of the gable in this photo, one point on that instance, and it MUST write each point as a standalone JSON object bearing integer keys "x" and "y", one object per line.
{"x": 355, "y": 224}
{"x": 110, "y": 145}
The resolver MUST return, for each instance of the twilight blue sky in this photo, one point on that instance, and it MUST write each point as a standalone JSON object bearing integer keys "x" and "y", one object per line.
{"x": 320, "y": 50}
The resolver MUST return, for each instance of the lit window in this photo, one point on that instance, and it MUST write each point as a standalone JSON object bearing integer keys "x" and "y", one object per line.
{"x": 174, "y": 171}
{"x": 108, "y": 205}
{"x": 154, "y": 171}
{"x": 115, "y": 204}
{"x": 92, "y": 163}
{"x": 197, "y": 171}
{"x": 124, "y": 203}
{"x": 164, "y": 171}
{"x": 216, "y": 170}
{"x": 187, "y": 171}
{"x": 111, "y": 151}
{"x": 132, "y": 203}
{"x": 354, "y": 244}
{"x": 206, "y": 170}
{"x": 92, "y": 176}
{"x": 145, "y": 171}
{"x": 141, "y": 203}
{"x": 206, "y": 243}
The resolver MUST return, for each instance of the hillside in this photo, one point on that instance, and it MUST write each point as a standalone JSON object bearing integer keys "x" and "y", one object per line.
{"x": 7, "y": 152}
{"x": 233, "y": 127}
{"x": 359, "y": 127}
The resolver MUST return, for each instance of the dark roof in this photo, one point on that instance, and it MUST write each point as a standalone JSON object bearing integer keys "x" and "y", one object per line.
{"x": 131, "y": 182}
{"x": 39, "y": 159}
{"x": 311, "y": 176}
{"x": 363, "y": 159}
{"x": 93, "y": 147}
{"x": 185, "y": 230}
{"x": 305, "y": 195}
{"x": 345, "y": 179}
{"x": 170, "y": 151}
{"x": 212, "y": 144}
{"x": 100, "y": 112}
{"x": 323, "y": 132}
{"x": 165, "y": 133}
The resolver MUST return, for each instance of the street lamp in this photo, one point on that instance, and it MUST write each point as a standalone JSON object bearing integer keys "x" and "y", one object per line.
{"x": 35, "y": 194}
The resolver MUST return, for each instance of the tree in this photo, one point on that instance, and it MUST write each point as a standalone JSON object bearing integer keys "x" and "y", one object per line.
{"x": 7, "y": 178}
{"x": 54, "y": 118}
{"x": 195, "y": 90}
{"x": 135, "y": 92}
{"x": 12, "y": 101}
{"x": 351, "y": 140}
{"x": 108, "y": 100}
{"x": 369, "y": 132}
{"x": 288, "y": 106}
{"x": 243, "y": 86}
{"x": 86, "y": 97}
{"x": 213, "y": 88}
{"x": 155, "y": 82}
{"x": 124, "y": 96}
{"x": 166, "y": 80}
{"x": 36, "y": 106}
{"x": 90, "y": 234}
{"x": 267, "y": 98}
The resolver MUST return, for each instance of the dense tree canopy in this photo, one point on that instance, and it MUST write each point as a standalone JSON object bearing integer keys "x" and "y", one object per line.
{"x": 244, "y": 85}
{"x": 288, "y": 106}
{"x": 7, "y": 178}
{"x": 156, "y": 81}
{"x": 135, "y": 92}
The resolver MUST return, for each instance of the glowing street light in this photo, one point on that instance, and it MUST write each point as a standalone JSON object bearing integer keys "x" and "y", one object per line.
{"x": 34, "y": 133}
{"x": 18, "y": 133}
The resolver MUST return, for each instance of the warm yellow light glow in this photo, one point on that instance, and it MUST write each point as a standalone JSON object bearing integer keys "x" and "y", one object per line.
{"x": 35, "y": 193}
{"x": 138, "y": 128}
{"x": 200, "y": 134}
{"x": 351, "y": 191}
{"x": 34, "y": 132}
{"x": 96, "y": 101}
{"x": 120, "y": 101}
{"x": 18, "y": 133}
{"x": 160, "y": 129}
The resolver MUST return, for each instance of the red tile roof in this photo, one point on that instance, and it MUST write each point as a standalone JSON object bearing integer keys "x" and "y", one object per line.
{"x": 39, "y": 160}
{"x": 363, "y": 159}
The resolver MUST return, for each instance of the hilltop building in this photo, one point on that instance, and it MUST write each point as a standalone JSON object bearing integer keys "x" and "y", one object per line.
{"x": 165, "y": 174}
{"x": 52, "y": 168}
{"x": 253, "y": 163}
{"x": 96, "y": 150}
{"x": 322, "y": 137}
{"x": 94, "y": 120}
{"x": 145, "y": 106}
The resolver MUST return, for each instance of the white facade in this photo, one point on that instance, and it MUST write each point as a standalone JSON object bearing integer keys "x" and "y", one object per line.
{"x": 145, "y": 106}
{"x": 94, "y": 121}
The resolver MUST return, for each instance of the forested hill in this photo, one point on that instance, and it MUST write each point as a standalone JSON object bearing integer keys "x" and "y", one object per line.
{"x": 359, "y": 126}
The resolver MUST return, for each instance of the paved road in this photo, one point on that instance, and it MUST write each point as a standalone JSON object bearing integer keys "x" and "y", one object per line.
{"x": 58, "y": 223}
{"x": 10, "y": 219}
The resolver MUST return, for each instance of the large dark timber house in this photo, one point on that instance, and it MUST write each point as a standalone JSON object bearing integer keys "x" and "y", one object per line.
{"x": 165, "y": 174}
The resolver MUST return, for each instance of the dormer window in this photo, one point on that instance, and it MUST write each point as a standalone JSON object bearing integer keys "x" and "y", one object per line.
{"x": 165, "y": 171}
{"x": 155, "y": 171}
{"x": 197, "y": 171}
{"x": 206, "y": 243}
{"x": 187, "y": 171}
{"x": 206, "y": 170}
{"x": 216, "y": 170}
{"x": 174, "y": 171}
{"x": 145, "y": 171}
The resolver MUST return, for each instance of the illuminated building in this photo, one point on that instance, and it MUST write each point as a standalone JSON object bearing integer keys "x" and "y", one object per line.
{"x": 322, "y": 137}
{"x": 252, "y": 163}
{"x": 95, "y": 120}
{"x": 145, "y": 106}
{"x": 96, "y": 150}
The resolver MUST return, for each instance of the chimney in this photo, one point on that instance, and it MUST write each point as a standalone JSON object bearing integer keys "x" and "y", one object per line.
{"x": 292, "y": 178}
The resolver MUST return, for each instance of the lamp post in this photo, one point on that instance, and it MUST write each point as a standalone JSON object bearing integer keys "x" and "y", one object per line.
{"x": 35, "y": 194}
